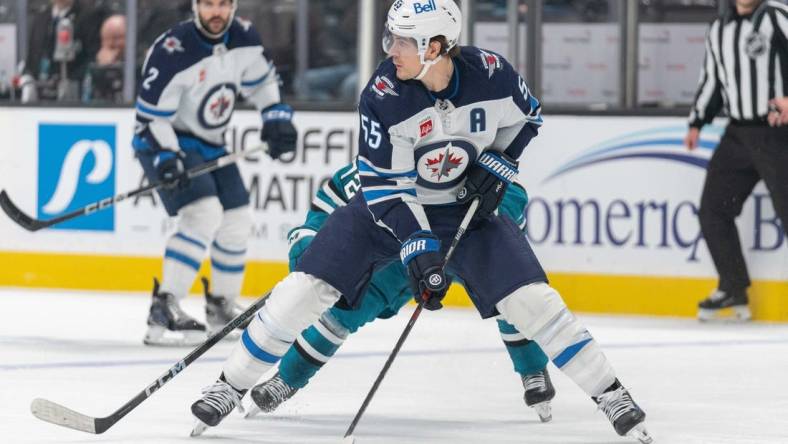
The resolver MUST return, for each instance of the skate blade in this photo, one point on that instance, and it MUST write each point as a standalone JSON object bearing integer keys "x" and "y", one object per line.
{"x": 198, "y": 429}
{"x": 161, "y": 337}
{"x": 544, "y": 410}
{"x": 252, "y": 411}
{"x": 729, "y": 314}
{"x": 640, "y": 433}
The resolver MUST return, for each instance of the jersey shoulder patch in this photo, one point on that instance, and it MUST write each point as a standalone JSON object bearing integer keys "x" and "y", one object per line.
{"x": 390, "y": 99}
{"x": 242, "y": 33}
{"x": 177, "y": 49}
{"x": 383, "y": 83}
{"x": 483, "y": 61}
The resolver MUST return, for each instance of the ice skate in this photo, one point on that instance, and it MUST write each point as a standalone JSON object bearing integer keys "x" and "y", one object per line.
{"x": 168, "y": 324}
{"x": 217, "y": 402}
{"x": 725, "y": 306}
{"x": 219, "y": 311}
{"x": 269, "y": 395}
{"x": 539, "y": 391}
{"x": 628, "y": 418}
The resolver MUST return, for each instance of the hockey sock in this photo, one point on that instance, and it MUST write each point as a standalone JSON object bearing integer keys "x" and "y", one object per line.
{"x": 185, "y": 250}
{"x": 313, "y": 348}
{"x": 525, "y": 354}
{"x": 295, "y": 303}
{"x": 538, "y": 311}
{"x": 228, "y": 252}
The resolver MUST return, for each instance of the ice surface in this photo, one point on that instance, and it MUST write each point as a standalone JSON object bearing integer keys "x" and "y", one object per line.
{"x": 452, "y": 383}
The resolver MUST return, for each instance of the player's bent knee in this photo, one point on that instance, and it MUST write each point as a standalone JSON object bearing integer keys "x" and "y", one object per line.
{"x": 531, "y": 307}
{"x": 201, "y": 218}
{"x": 298, "y": 301}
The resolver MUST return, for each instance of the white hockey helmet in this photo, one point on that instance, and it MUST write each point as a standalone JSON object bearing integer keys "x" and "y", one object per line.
{"x": 421, "y": 20}
{"x": 202, "y": 29}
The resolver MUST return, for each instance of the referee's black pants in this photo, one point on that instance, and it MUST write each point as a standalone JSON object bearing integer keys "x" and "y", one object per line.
{"x": 745, "y": 155}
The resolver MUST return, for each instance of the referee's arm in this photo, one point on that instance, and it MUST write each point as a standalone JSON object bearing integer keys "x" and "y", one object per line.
{"x": 708, "y": 99}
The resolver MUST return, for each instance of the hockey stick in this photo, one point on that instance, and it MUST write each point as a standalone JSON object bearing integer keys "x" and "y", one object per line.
{"x": 57, "y": 414}
{"x": 32, "y": 224}
{"x": 348, "y": 439}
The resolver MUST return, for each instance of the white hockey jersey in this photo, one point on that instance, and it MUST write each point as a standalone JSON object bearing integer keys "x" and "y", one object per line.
{"x": 190, "y": 85}
{"x": 415, "y": 146}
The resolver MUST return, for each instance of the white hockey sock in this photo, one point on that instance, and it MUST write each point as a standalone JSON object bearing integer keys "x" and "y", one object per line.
{"x": 228, "y": 252}
{"x": 185, "y": 250}
{"x": 262, "y": 345}
{"x": 539, "y": 313}
{"x": 295, "y": 303}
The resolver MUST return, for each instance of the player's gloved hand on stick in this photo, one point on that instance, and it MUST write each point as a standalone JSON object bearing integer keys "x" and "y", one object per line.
{"x": 420, "y": 253}
{"x": 278, "y": 130}
{"x": 169, "y": 166}
{"x": 488, "y": 179}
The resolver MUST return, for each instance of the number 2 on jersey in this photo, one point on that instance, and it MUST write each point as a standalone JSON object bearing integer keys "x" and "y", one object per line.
{"x": 153, "y": 73}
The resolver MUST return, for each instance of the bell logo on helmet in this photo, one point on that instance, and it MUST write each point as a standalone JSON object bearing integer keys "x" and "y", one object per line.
{"x": 428, "y": 6}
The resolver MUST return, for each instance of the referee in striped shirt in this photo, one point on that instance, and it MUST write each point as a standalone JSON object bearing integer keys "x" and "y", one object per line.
{"x": 746, "y": 67}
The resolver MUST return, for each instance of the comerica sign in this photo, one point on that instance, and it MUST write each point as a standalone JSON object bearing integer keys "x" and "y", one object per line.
{"x": 639, "y": 224}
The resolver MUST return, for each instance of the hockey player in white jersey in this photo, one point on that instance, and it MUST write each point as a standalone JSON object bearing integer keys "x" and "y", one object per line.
{"x": 440, "y": 127}
{"x": 192, "y": 77}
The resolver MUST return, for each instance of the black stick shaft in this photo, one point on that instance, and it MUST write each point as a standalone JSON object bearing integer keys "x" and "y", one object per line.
{"x": 183, "y": 363}
{"x": 460, "y": 231}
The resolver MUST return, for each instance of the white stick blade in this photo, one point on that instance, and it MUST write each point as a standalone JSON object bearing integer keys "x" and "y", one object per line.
{"x": 349, "y": 440}
{"x": 57, "y": 414}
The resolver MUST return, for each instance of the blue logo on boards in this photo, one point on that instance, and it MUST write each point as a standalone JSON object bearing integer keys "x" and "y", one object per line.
{"x": 76, "y": 167}
{"x": 664, "y": 143}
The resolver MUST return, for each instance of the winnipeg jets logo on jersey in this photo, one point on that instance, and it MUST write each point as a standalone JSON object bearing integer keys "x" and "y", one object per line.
{"x": 383, "y": 86}
{"x": 491, "y": 62}
{"x": 441, "y": 165}
{"x": 172, "y": 45}
{"x": 217, "y": 106}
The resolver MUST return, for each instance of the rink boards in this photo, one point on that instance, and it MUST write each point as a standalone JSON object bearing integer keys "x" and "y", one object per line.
{"x": 613, "y": 214}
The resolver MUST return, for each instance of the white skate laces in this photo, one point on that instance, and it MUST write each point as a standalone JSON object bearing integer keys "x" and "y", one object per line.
{"x": 615, "y": 403}
{"x": 280, "y": 390}
{"x": 534, "y": 382}
{"x": 222, "y": 397}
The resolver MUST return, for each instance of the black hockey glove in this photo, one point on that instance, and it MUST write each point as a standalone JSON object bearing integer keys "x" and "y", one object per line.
{"x": 170, "y": 169}
{"x": 420, "y": 253}
{"x": 278, "y": 130}
{"x": 488, "y": 179}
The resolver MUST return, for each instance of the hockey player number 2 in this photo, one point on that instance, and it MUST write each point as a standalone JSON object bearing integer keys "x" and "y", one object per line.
{"x": 371, "y": 131}
{"x": 153, "y": 73}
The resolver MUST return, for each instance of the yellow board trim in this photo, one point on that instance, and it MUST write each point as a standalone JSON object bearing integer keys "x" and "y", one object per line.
{"x": 622, "y": 294}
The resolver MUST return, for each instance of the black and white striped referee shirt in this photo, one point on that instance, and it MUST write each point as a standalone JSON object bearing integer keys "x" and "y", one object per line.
{"x": 746, "y": 65}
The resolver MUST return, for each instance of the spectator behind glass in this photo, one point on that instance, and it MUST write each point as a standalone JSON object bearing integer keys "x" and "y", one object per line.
{"x": 155, "y": 17}
{"x": 43, "y": 72}
{"x": 113, "y": 41}
{"x": 104, "y": 79}
{"x": 332, "y": 53}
